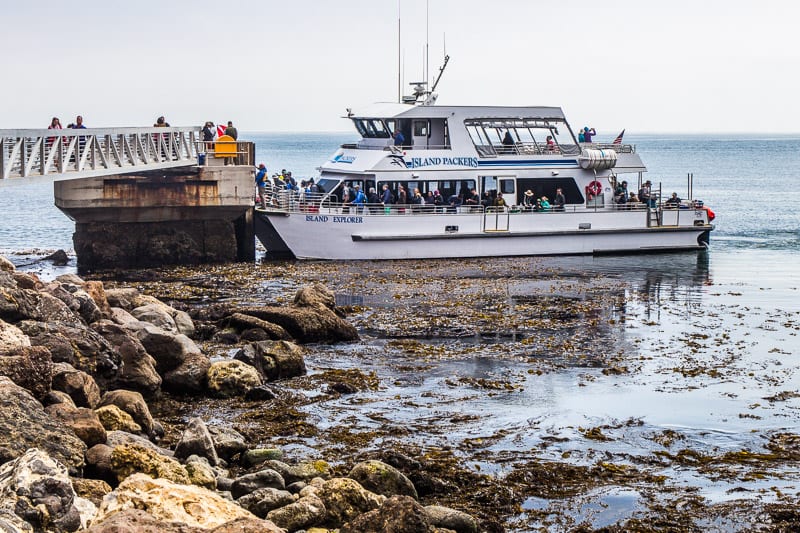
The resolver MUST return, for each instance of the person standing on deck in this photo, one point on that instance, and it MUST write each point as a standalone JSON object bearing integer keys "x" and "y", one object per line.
{"x": 559, "y": 200}
{"x": 231, "y": 131}
{"x": 261, "y": 183}
{"x": 399, "y": 138}
{"x": 588, "y": 133}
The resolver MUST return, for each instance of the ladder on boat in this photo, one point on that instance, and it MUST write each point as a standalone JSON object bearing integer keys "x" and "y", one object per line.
{"x": 654, "y": 217}
{"x": 496, "y": 219}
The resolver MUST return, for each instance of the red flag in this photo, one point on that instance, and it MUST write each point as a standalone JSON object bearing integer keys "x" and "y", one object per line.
{"x": 618, "y": 140}
{"x": 221, "y": 130}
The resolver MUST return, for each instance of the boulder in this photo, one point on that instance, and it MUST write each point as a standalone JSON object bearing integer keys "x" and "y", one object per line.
{"x": 11, "y": 523}
{"x": 169, "y": 501}
{"x": 138, "y": 369}
{"x": 125, "y": 297}
{"x": 39, "y": 491}
{"x": 129, "y": 459}
{"x": 82, "y": 421}
{"x": 274, "y": 359}
{"x": 6, "y": 265}
{"x": 248, "y": 525}
{"x": 93, "y": 490}
{"x": 307, "y": 324}
{"x": 115, "y": 419}
{"x": 241, "y": 323}
{"x": 444, "y": 517}
{"x": 305, "y": 471}
{"x": 137, "y": 521}
{"x": 227, "y": 442}
{"x": 120, "y": 316}
{"x": 119, "y": 438}
{"x": 200, "y": 472}
{"x": 262, "y": 501}
{"x": 98, "y": 463}
{"x": 398, "y": 514}
{"x": 257, "y": 456}
{"x": 196, "y": 440}
{"x": 11, "y": 337}
{"x": 26, "y": 280}
{"x": 317, "y": 296}
{"x": 167, "y": 348}
{"x": 58, "y": 258}
{"x": 257, "y": 480}
{"x": 345, "y": 499}
{"x": 232, "y": 378}
{"x": 87, "y": 308}
{"x": 155, "y": 314}
{"x": 30, "y": 367}
{"x": 132, "y": 403}
{"x": 97, "y": 292}
{"x": 78, "y": 345}
{"x": 24, "y": 425}
{"x": 190, "y": 377}
{"x": 305, "y": 512}
{"x": 384, "y": 479}
{"x": 56, "y": 396}
{"x": 80, "y": 386}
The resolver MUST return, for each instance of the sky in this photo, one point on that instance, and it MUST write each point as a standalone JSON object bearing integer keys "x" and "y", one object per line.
{"x": 679, "y": 66}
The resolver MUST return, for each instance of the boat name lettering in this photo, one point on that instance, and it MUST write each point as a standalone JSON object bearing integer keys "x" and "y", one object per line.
{"x": 341, "y": 158}
{"x": 335, "y": 219}
{"x": 417, "y": 162}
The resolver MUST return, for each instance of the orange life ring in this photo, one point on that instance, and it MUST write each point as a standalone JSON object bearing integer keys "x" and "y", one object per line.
{"x": 594, "y": 188}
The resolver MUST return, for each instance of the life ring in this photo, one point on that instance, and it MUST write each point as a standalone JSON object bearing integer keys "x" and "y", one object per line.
{"x": 710, "y": 213}
{"x": 594, "y": 188}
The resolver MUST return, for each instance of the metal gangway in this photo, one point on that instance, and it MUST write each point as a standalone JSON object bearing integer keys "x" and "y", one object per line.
{"x": 80, "y": 153}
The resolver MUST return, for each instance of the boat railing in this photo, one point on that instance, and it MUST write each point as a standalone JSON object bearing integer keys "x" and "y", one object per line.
{"x": 397, "y": 148}
{"x": 526, "y": 148}
{"x": 619, "y": 148}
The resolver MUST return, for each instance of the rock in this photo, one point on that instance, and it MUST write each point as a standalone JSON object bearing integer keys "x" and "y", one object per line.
{"x": 196, "y": 440}
{"x": 259, "y": 455}
{"x": 93, "y": 490}
{"x": 97, "y": 292}
{"x": 80, "y": 386}
{"x": 190, "y": 377}
{"x": 274, "y": 359}
{"x": 200, "y": 472}
{"x": 445, "y": 517}
{"x": 257, "y": 480}
{"x": 82, "y": 421}
{"x": 399, "y": 514}
{"x": 137, "y": 521}
{"x": 259, "y": 394}
{"x": 119, "y": 438}
{"x": 128, "y": 459}
{"x": 6, "y": 265}
{"x": 137, "y": 369}
{"x": 296, "y": 487}
{"x": 242, "y": 323}
{"x": 29, "y": 367}
{"x": 248, "y": 525}
{"x": 115, "y": 419}
{"x": 58, "y": 258}
{"x": 232, "y": 378}
{"x": 345, "y": 499}
{"x": 11, "y": 337}
{"x": 11, "y": 523}
{"x": 168, "y": 349}
{"x": 168, "y": 501}
{"x": 262, "y": 501}
{"x": 48, "y": 308}
{"x": 315, "y": 295}
{"x": 28, "y": 281}
{"x": 156, "y": 315}
{"x": 78, "y": 345}
{"x": 41, "y": 493}
{"x": 98, "y": 463}
{"x": 227, "y": 442}
{"x": 300, "y": 472}
{"x": 307, "y": 324}
{"x": 87, "y": 308}
{"x": 305, "y": 512}
{"x": 381, "y": 478}
{"x": 56, "y": 396}
{"x": 132, "y": 403}
{"x": 124, "y": 298}
{"x": 24, "y": 425}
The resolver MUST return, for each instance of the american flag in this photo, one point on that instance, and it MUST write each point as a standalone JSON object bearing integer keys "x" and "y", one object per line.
{"x": 618, "y": 140}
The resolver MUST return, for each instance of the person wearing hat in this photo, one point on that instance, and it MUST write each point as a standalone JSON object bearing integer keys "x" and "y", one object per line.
{"x": 261, "y": 184}
{"x": 588, "y": 133}
{"x": 529, "y": 201}
{"x": 645, "y": 195}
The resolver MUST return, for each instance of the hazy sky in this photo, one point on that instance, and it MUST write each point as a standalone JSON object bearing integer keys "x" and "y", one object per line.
{"x": 295, "y": 65}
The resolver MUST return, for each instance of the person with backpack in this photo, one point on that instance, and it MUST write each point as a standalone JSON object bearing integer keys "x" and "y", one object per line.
{"x": 261, "y": 184}
{"x": 359, "y": 199}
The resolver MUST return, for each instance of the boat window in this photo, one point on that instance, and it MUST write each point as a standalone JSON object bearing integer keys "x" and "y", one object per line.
{"x": 507, "y": 186}
{"x": 371, "y": 128}
{"x": 520, "y": 136}
{"x": 420, "y": 128}
{"x": 547, "y": 187}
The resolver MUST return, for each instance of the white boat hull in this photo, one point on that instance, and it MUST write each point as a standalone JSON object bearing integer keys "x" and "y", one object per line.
{"x": 351, "y": 236}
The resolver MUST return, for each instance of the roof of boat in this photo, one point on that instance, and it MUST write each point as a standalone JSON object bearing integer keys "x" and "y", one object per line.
{"x": 393, "y": 109}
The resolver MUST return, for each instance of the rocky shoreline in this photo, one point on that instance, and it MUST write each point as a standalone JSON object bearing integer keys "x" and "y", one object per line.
{"x": 81, "y": 364}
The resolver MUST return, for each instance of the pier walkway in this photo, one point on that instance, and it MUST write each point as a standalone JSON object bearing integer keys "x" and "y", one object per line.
{"x": 81, "y": 153}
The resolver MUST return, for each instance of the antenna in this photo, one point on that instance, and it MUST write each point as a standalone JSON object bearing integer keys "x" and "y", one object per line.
{"x": 427, "y": 40}
{"x": 399, "y": 75}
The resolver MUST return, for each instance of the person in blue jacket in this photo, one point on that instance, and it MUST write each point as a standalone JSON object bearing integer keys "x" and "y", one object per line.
{"x": 261, "y": 183}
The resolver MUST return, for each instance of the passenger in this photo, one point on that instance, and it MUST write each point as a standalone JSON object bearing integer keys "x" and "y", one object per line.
{"x": 417, "y": 201}
{"x": 538, "y": 206}
{"x": 438, "y": 201}
{"x": 499, "y": 201}
{"x": 545, "y": 203}
{"x": 673, "y": 201}
{"x": 429, "y": 201}
{"x": 302, "y": 190}
{"x": 161, "y": 122}
{"x": 374, "y": 201}
{"x": 231, "y": 131}
{"x": 487, "y": 200}
{"x": 581, "y": 137}
{"x": 621, "y": 193}
{"x": 387, "y": 199}
{"x": 208, "y": 132}
{"x": 471, "y": 198}
{"x": 402, "y": 198}
{"x": 645, "y": 195}
{"x": 559, "y": 200}
{"x": 633, "y": 199}
{"x": 347, "y": 195}
{"x": 399, "y": 138}
{"x": 55, "y": 124}
{"x": 508, "y": 143}
{"x": 261, "y": 184}
{"x": 454, "y": 202}
{"x": 588, "y": 133}
{"x": 551, "y": 145}
{"x": 359, "y": 199}
{"x": 287, "y": 177}
{"x": 528, "y": 200}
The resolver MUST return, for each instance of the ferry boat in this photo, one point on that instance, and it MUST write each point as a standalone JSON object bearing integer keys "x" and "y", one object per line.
{"x": 509, "y": 152}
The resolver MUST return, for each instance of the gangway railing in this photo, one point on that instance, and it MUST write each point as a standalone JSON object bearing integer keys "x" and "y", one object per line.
{"x": 78, "y": 153}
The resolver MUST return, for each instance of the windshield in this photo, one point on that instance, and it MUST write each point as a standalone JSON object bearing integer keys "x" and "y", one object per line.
{"x": 371, "y": 128}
